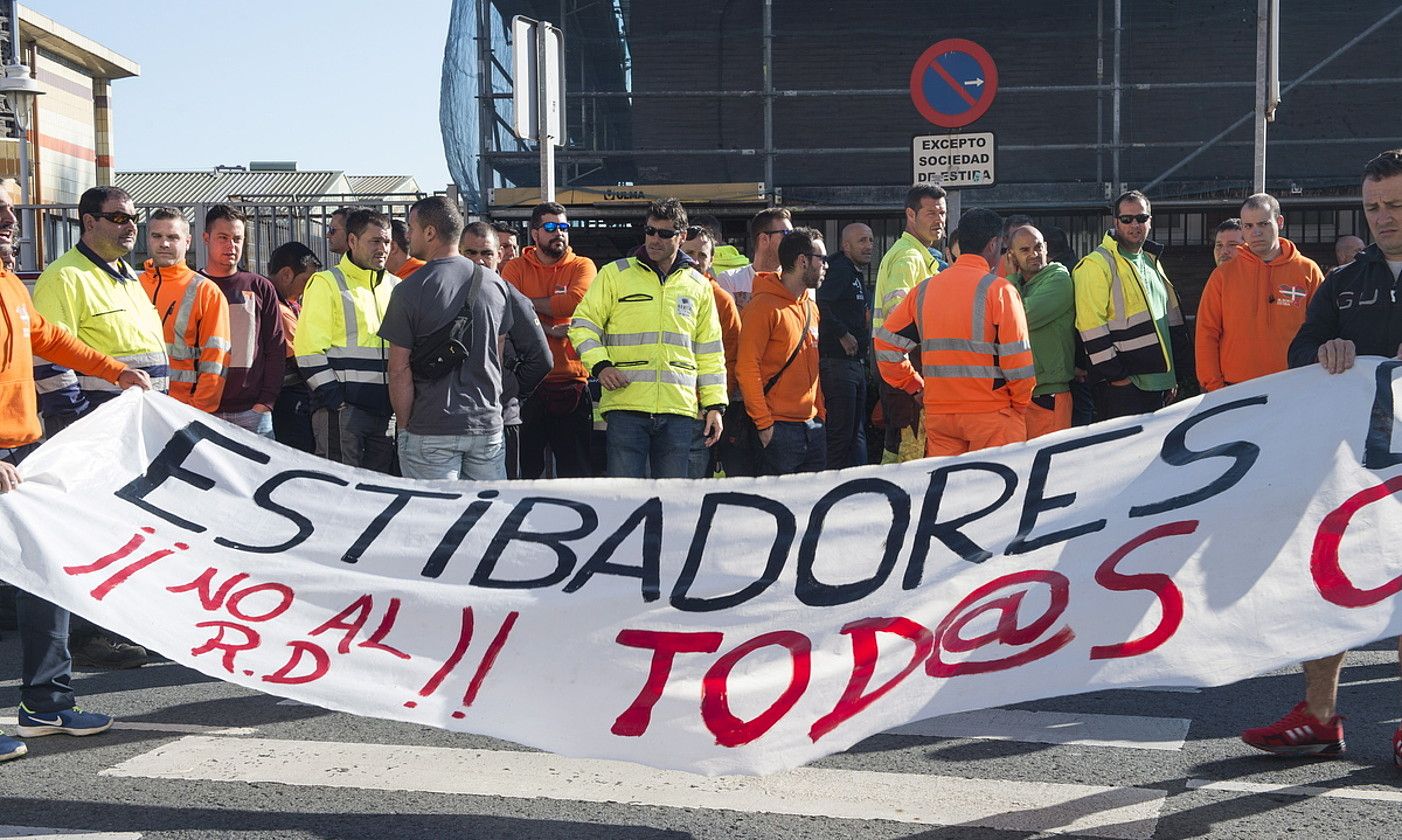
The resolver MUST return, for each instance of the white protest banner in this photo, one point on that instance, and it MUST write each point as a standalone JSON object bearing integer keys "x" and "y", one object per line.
{"x": 740, "y": 626}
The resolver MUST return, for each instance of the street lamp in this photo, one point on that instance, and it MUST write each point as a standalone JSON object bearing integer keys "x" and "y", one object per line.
{"x": 19, "y": 89}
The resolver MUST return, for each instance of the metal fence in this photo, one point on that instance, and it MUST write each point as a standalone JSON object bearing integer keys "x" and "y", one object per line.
{"x": 270, "y": 224}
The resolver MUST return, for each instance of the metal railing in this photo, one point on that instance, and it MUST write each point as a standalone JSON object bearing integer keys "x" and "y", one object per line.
{"x": 270, "y": 224}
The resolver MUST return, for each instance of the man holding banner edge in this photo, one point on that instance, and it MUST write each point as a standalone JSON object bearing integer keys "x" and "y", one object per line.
{"x": 1355, "y": 312}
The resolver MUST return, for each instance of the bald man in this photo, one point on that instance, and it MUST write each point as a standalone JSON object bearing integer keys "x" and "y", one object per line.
{"x": 1346, "y": 248}
{"x": 843, "y": 338}
{"x": 1050, "y": 302}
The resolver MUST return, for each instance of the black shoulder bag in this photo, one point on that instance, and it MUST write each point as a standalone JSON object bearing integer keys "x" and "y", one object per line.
{"x": 444, "y": 350}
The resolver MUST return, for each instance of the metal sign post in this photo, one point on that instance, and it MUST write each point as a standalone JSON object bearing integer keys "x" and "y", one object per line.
{"x": 538, "y": 91}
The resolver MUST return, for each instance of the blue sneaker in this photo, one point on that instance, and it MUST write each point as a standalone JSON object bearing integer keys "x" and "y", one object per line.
{"x": 72, "y": 721}
{"x": 11, "y": 748}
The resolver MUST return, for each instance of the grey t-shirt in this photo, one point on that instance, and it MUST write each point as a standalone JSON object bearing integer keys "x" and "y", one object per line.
{"x": 467, "y": 401}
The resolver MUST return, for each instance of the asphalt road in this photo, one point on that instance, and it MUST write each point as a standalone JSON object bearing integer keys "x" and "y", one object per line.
{"x": 1134, "y": 764}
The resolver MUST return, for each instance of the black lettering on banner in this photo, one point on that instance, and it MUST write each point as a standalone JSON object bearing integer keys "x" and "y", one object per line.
{"x": 1035, "y": 503}
{"x": 948, "y": 533}
{"x": 384, "y": 517}
{"x": 510, "y": 531}
{"x": 1377, "y": 448}
{"x": 1175, "y": 453}
{"x": 814, "y": 592}
{"x": 167, "y": 464}
{"x": 778, "y": 551}
{"x": 263, "y": 497}
{"x": 457, "y": 532}
{"x": 649, "y": 515}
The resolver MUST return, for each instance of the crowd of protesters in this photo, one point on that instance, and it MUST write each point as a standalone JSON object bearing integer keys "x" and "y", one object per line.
{"x": 433, "y": 348}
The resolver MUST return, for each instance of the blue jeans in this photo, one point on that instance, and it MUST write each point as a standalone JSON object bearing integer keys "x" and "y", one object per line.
{"x": 651, "y": 445}
{"x": 453, "y": 457}
{"x": 845, "y": 396}
{"x": 46, "y": 667}
{"x": 795, "y": 448}
{"x": 258, "y": 422}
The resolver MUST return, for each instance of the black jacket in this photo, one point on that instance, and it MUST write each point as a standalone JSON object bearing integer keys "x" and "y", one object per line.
{"x": 1358, "y": 302}
{"x": 842, "y": 309}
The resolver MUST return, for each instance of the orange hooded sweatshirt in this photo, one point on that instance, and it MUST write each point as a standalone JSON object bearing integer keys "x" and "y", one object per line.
{"x": 1250, "y": 312}
{"x": 771, "y": 325}
{"x": 729, "y": 316}
{"x": 24, "y": 333}
{"x": 564, "y": 283}
{"x": 195, "y": 319}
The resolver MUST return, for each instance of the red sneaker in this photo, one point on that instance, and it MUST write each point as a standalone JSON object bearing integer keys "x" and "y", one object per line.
{"x": 1397, "y": 748}
{"x": 1300, "y": 733}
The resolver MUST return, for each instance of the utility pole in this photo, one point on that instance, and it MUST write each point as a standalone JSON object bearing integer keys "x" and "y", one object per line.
{"x": 1267, "y": 83}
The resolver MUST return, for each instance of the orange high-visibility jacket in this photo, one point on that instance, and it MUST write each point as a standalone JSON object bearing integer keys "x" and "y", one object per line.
{"x": 1250, "y": 312}
{"x": 23, "y": 334}
{"x": 195, "y": 317}
{"x": 971, "y": 330}
{"x": 729, "y": 316}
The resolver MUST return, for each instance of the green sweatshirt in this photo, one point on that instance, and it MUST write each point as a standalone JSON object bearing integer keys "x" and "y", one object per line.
{"x": 1050, "y": 301}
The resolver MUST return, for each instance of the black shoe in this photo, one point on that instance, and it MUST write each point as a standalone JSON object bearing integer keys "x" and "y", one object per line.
{"x": 102, "y": 653}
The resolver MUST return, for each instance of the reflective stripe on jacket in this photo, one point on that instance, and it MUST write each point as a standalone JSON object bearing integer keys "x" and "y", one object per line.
{"x": 971, "y": 331}
{"x": 195, "y": 321}
{"x": 338, "y": 346}
{"x": 902, "y": 268}
{"x": 1113, "y": 317}
{"x": 663, "y": 335}
{"x": 110, "y": 315}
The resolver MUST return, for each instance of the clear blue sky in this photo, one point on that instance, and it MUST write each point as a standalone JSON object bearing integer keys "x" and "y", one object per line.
{"x": 332, "y": 84}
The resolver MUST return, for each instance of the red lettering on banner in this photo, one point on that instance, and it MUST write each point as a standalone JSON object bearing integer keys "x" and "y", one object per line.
{"x": 352, "y": 620}
{"x": 731, "y": 731}
{"x": 1329, "y": 576}
{"x": 229, "y": 649}
{"x": 321, "y": 663}
{"x": 488, "y": 660}
{"x": 864, "y": 655}
{"x": 455, "y": 658}
{"x": 120, "y": 554}
{"x": 210, "y": 599}
{"x": 664, "y": 646}
{"x": 360, "y": 609}
{"x": 285, "y": 599}
{"x": 376, "y": 640}
{"x": 1169, "y": 595}
{"x": 102, "y": 590}
{"x": 1007, "y": 632}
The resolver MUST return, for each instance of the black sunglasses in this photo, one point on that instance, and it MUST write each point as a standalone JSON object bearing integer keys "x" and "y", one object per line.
{"x": 551, "y": 227}
{"x": 822, "y": 258}
{"x": 661, "y": 233}
{"x": 1128, "y": 219}
{"x": 118, "y": 217}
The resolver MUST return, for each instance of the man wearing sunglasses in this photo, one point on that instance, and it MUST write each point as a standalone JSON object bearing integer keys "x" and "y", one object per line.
{"x": 647, "y": 329}
{"x": 1128, "y": 316}
{"x": 768, "y": 228}
{"x": 95, "y": 294}
{"x": 46, "y": 693}
{"x": 560, "y": 413}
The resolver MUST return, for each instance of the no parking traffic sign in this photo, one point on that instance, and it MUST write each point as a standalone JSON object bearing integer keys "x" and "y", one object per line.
{"x": 953, "y": 82}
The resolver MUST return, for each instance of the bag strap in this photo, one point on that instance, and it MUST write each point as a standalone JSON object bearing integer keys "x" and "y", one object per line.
{"x": 464, "y": 316}
{"x": 807, "y": 321}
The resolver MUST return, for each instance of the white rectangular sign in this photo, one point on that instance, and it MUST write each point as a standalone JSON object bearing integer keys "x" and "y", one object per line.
{"x": 954, "y": 161}
{"x": 741, "y": 625}
{"x": 527, "y": 77}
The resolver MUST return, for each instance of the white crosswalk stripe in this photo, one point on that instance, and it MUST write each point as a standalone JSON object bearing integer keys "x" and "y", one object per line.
{"x": 8, "y": 831}
{"x": 1084, "y": 729}
{"x": 1092, "y": 810}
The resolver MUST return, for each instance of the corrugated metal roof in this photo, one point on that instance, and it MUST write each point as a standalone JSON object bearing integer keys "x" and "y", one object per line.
{"x": 215, "y": 185}
{"x": 379, "y": 186}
